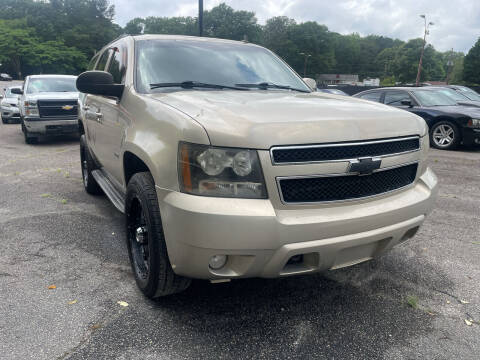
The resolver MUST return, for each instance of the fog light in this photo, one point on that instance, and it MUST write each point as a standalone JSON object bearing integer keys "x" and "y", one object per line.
{"x": 217, "y": 261}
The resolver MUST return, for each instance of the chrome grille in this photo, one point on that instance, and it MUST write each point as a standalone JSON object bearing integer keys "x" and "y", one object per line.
{"x": 343, "y": 151}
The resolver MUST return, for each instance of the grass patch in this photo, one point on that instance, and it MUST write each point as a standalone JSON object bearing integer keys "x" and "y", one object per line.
{"x": 64, "y": 201}
{"x": 45, "y": 195}
{"x": 412, "y": 301}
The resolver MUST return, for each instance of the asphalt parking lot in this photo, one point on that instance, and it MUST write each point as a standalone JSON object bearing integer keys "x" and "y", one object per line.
{"x": 53, "y": 233}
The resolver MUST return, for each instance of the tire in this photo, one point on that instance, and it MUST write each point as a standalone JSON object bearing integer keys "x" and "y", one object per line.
{"x": 444, "y": 135}
{"x": 4, "y": 121}
{"x": 146, "y": 241}
{"x": 89, "y": 183}
{"x": 28, "y": 138}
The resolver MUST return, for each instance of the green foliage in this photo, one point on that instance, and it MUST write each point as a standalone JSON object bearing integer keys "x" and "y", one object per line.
{"x": 471, "y": 70}
{"x": 59, "y": 36}
{"x": 55, "y": 36}
{"x": 224, "y": 22}
{"x": 388, "y": 81}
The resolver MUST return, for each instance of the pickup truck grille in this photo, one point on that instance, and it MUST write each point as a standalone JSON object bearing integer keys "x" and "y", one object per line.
{"x": 345, "y": 187}
{"x": 343, "y": 151}
{"x": 55, "y": 108}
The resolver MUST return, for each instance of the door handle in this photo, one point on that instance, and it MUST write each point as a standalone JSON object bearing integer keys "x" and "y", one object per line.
{"x": 99, "y": 116}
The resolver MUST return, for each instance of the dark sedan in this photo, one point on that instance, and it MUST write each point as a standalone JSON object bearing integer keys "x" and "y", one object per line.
{"x": 450, "y": 123}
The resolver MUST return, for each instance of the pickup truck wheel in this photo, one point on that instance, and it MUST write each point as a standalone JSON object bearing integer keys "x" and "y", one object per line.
{"x": 88, "y": 165}
{"x": 146, "y": 241}
{"x": 444, "y": 135}
{"x": 29, "y": 139}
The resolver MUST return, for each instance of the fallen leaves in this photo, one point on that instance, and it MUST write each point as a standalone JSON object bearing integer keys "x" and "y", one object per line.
{"x": 95, "y": 326}
{"x": 122, "y": 303}
{"x": 72, "y": 302}
{"x": 468, "y": 322}
{"x": 51, "y": 287}
{"x": 464, "y": 301}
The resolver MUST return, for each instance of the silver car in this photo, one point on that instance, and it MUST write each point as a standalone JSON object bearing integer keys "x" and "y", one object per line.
{"x": 9, "y": 106}
{"x": 48, "y": 106}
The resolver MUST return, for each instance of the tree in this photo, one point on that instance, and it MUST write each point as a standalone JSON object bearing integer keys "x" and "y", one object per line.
{"x": 471, "y": 67}
{"x": 225, "y": 22}
{"x": 134, "y": 26}
{"x": 24, "y": 51}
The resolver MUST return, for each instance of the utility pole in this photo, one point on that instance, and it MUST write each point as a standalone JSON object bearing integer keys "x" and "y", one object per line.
{"x": 427, "y": 26}
{"x": 200, "y": 17}
{"x": 305, "y": 64}
{"x": 449, "y": 67}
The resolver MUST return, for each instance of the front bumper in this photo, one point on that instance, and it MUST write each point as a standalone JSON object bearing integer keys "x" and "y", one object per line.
{"x": 260, "y": 239}
{"x": 10, "y": 113}
{"x": 471, "y": 136}
{"x": 38, "y": 126}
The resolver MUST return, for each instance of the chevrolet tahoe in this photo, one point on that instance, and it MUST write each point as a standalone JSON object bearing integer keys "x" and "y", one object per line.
{"x": 229, "y": 165}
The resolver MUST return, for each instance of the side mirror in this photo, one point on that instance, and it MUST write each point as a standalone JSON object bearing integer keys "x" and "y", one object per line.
{"x": 407, "y": 103}
{"x": 17, "y": 91}
{"x": 311, "y": 83}
{"x": 99, "y": 83}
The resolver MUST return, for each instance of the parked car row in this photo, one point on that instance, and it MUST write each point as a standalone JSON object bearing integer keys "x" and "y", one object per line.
{"x": 451, "y": 116}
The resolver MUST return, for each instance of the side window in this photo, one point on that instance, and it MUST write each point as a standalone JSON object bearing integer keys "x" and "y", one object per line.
{"x": 103, "y": 60}
{"x": 91, "y": 64}
{"x": 395, "y": 98}
{"x": 118, "y": 65}
{"x": 372, "y": 96}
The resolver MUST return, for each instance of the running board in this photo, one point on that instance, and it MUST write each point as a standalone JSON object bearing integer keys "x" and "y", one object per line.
{"x": 115, "y": 196}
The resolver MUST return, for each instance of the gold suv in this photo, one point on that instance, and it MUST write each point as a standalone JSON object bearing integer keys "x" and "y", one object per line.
{"x": 229, "y": 165}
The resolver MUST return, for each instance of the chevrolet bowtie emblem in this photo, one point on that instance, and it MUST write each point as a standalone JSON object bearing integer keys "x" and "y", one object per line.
{"x": 67, "y": 107}
{"x": 364, "y": 166}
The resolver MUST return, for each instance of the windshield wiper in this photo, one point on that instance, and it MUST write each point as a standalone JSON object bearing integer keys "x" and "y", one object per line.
{"x": 192, "y": 84}
{"x": 267, "y": 85}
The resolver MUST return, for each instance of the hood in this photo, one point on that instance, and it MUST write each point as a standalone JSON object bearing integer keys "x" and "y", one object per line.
{"x": 460, "y": 110}
{"x": 470, "y": 103}
{"x": 261, "y": 119}
{"x": 53, "y": 96}
{"x": 10, "y": 100}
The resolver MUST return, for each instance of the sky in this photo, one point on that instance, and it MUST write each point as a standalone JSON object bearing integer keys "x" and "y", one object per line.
{"x": 456, "y": 22}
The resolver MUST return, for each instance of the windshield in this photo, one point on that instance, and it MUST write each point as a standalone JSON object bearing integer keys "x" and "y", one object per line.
{"x": 8, "y": 94}
{"x": 452, "y": 94}
{"x": 39, "y": 85}
{"x": 433, "y": 98}
{"x": 168, "y": 61}
{"x": 469, "y": 93}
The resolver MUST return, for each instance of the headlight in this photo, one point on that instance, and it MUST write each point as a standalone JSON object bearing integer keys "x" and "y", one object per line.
{"x": 474, "y": 123}
{"x": 31, "y": 108}
{"x": 223, "y": 172}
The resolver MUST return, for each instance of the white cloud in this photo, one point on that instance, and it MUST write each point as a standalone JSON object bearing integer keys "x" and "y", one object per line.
{"x": 457, "y": 22}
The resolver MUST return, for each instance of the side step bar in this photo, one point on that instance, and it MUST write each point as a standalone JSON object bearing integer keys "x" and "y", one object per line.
{"x": 115, "y": 196}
